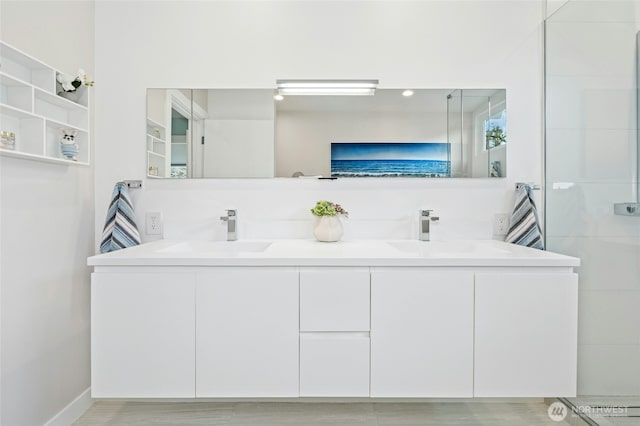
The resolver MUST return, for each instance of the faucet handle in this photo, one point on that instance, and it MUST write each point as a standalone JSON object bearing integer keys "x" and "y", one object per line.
{"x": 231, "y": 214}
{"x": 427, "y": 214}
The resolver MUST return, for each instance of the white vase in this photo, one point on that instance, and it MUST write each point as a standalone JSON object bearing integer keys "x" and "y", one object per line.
{"x": 328, "y": 229}
{"x": 72, "y": 96}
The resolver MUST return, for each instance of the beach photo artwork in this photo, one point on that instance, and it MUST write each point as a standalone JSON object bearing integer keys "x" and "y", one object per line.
{"x": 390, "y": 159}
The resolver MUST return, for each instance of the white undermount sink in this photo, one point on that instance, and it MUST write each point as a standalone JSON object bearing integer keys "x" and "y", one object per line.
{"x": 446, "y": 248}
{"x": 196, "y": 247}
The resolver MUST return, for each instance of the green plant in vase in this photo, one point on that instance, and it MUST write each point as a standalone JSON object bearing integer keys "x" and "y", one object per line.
{"x": 328, "y": 208}
{"x": 328, "y": 227}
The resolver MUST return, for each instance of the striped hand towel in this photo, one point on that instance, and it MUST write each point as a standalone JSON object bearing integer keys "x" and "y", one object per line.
{"x": 525, "y": 227}
{"x": 120, "y": 230}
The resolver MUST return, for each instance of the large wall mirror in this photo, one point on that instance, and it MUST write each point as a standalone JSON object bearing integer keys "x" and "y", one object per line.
{"x": 246, "y": 133}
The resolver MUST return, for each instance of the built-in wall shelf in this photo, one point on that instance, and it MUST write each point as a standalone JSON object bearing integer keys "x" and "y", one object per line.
{"x": 31, "y": 109}
{"x": 42, "y": 158}
{"x": 156, "y": 150}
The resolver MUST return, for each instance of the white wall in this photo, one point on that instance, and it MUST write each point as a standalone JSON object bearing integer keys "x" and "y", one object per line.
{"x": 592, "y": 143}
{"x": 238, "y": 148}
{"x": 251, "y": 44}
{"x": 47, "y": 227}
{"x": 304, "y": 138}
{"x": 239, "y": 134}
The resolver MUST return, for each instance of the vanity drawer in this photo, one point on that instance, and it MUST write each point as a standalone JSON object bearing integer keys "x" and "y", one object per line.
{"x": 334, "y": 299}
{"x": 334, "y": 364}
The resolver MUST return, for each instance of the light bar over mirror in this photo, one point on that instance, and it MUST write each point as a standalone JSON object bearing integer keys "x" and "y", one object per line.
{"x": 327, "y": 87}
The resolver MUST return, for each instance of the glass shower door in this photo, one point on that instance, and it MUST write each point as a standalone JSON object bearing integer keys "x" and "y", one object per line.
{"x": 591, "y": 161}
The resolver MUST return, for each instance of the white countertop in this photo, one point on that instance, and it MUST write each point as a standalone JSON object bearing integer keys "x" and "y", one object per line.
{"x": 342, "y": 253}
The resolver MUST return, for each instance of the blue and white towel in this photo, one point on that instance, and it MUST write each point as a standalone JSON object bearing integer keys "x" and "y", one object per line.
{"x": 525, "y": 226}
{"x": 120, "y": 230}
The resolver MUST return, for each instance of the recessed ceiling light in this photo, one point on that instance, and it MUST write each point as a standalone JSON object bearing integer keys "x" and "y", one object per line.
{"x": 407, "y": 93}
{"x": 278, "y": 97}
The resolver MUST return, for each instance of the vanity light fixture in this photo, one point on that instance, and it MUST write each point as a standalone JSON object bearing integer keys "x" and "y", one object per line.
{"x": 326, "y": 87}
{"x": 278, "y": 97}
{"x": 407, "y": 93}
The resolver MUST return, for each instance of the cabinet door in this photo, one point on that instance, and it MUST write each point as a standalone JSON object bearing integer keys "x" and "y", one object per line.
{"x": 247, "y": 332}
{"x": 334, "y": 364}
{"x": 334, "y": 299}
{"x": 525, "y": 335}
{"x": 142, "y": 335}
{"x": 421, "y": 333}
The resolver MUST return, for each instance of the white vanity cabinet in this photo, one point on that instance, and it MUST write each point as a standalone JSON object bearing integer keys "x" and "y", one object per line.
{"x": 525, "y": 334}
{"x": 334, "y": 332}
{"x": 142, "y": 335}
{"x": 421, "y": 333}
{"x": 342, "y": 320}
{"x": 247, "y": 332}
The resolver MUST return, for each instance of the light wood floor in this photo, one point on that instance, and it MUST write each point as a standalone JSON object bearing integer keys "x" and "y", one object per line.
{"x": 315, "y": 414}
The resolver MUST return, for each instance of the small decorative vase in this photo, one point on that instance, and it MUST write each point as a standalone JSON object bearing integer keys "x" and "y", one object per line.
{"x": 69, "y": 150}
{"x": 72, "y": 96}
{"x": 328, "y": 229}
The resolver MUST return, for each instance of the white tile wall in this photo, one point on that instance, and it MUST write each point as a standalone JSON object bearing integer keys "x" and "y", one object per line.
{"x": 608, "y": 370}
{"x": 586, "y": 209}
{"x": 591, "y": 155}
{"x": 609, "y": 317}
{"x": 594, "y": 10}
{"x": 579, "y": 48}
{"x": 607, "y": 263}
{"x": 593, "y": 102}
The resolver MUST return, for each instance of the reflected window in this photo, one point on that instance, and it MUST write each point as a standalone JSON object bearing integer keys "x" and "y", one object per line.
{"x": 495, "y": 130}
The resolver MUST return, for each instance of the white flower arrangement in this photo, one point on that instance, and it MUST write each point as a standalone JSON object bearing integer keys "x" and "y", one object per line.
{"x": 70, "y": 84}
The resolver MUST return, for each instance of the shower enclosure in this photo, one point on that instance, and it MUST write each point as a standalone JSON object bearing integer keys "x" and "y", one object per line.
{"x": 477, "y": 132}
{"x": 591, "y": 150}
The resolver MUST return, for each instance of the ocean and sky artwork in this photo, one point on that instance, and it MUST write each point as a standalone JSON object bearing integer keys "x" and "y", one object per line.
{"x": 390, "y": 159}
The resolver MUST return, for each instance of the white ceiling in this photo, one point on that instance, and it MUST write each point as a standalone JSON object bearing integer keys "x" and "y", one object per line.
{"x": 258, "y": 103}
{"x": 385, "y": 100}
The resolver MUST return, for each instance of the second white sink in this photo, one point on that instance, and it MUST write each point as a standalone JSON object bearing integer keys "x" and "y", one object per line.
{"x": 217, "y": 247}
{"x": 455, "y": 249}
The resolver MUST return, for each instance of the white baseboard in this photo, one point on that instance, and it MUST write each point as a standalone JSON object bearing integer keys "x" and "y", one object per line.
{"x": 73, "y": 411}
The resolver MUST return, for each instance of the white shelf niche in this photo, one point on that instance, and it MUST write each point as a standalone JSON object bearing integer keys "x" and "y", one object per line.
{"x": 28, "y": 129}
{"x": 61, "y": 110}
{"x": 16, "y": 93}
{"x": 156, "y": 130}
{"x": 157, "y": 149}
{"x": 27, "y": 68}
{"x": 158, "y": 161}
{"x": 53, "y": 136}
{"x": 156, "y": 145}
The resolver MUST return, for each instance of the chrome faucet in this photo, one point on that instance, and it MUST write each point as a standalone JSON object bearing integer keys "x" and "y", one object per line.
{"x": 231, "y": 218}
{"x": 424, "y": 220}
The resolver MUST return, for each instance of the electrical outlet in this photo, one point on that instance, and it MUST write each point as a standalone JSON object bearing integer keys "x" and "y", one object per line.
{"x": 154, "y": 223}
{"x": 501, "y": 224}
